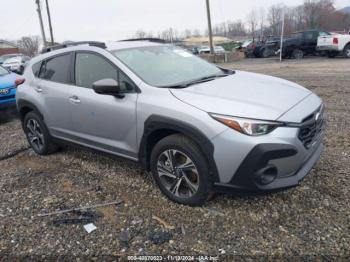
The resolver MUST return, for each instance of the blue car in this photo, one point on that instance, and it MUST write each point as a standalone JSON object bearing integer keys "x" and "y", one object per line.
{"x": 8, "y": 84}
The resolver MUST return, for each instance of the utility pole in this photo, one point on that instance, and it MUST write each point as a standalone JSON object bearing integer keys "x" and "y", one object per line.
{"x": 50, "y": 25}
{"x": 210, "y": 29}
{"x": 282, "y": 33}
{"x": 41, "y": 22}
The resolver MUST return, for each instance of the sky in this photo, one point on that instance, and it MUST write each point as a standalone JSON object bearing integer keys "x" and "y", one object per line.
{"x": 110, "y": 20}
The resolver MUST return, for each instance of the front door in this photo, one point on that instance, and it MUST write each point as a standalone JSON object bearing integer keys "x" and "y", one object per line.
{"x": 103, "y": 121}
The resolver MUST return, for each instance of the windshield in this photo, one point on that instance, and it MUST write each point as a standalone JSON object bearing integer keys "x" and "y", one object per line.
{"x": 164, "y": 66}
{"x": 3, "y": 71}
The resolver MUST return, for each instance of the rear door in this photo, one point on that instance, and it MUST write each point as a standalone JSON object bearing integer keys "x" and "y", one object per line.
{"x": 52, "y": 87}
{"x": 100, "y": 121}
{"x": 309, "y": 42}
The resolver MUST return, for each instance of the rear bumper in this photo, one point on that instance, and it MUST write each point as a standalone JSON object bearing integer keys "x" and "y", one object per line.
{"x": 257, "y": 170}
{"x": 327, "y": 48}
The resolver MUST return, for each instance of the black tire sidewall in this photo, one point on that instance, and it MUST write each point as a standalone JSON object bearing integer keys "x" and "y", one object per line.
{"x": 297, "y": 51}
{"x": 46, "y": 148}
{"x": 347, "y": 47}
{"x": 186, "y": 146}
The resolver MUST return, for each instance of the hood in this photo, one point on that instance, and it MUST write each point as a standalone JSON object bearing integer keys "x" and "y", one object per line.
{"x": 244, "y": 94}
{"x": 8, "y": 80}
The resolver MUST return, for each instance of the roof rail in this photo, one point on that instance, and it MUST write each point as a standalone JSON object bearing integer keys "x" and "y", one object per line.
{"x": 149, "y": 39}
{"x": 68, "y": 44}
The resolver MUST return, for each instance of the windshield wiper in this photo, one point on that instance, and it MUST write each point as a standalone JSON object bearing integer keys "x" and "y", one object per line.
{"x": 197, "y": 81}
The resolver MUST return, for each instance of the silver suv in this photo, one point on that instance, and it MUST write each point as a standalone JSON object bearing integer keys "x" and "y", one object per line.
{"x": 198, "y": 128}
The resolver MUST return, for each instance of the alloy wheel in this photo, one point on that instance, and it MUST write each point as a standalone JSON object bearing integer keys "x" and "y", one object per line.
{"x": 35, "y": 134}
{"x": 178, "y": 173}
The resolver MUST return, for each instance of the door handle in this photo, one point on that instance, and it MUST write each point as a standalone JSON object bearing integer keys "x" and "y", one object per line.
{"x": 74, "y": 99}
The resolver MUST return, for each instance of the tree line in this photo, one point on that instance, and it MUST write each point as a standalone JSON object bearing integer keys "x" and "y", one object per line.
{"x": 312, "y": 14}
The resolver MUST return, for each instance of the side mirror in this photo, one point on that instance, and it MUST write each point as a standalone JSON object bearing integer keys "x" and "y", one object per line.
{"x": 107, "y": 86}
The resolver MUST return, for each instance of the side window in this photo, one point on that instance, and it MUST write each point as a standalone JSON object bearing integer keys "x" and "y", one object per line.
{"x": 90, "y": 68}
{"x": 36, "y": 69}
{"x": 56, "y": 69}
{"x": 309, "y": 35}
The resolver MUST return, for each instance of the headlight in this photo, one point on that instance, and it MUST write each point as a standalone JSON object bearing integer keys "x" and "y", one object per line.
{"x": 246, "y": 126}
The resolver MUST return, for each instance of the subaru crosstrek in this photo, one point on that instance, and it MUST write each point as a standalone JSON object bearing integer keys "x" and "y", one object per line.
{"x": 198, "y": 128}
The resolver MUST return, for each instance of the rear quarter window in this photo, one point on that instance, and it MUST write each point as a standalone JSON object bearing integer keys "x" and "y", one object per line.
{"x": 36, "y": 69}
{"x": 56, "y": 69}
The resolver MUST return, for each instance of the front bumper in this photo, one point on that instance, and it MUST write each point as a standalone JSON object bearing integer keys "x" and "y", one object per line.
{"x": 258, "y": 169}
{"x": 277, "y": 160}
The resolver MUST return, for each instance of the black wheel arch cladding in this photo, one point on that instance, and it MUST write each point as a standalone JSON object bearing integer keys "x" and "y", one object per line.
{"x": 23, "y": 104}
{"x": 155, "y": 124}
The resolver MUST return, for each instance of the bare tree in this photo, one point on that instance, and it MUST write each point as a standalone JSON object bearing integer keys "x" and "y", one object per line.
{"x": 252, "y": 20}
{"x": 236, "y": 28}
{"x": 196, "y": 32}
{"x": 187, "y": 33}
{"x": 140, "y": 34}
{"x": 262, "y": 21}
{"x": 29, "y": 45}
{"x": 275, "y": 17}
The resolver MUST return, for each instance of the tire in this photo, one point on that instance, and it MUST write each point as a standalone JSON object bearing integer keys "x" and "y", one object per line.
{"x": 265, "y": 53}
{"x": 297, "y": 54}
{"x": 347, "y": 51}
{"x": 187, "y": 164}
{"x": 38, "y": 135}
{"x": 331, "y": 54}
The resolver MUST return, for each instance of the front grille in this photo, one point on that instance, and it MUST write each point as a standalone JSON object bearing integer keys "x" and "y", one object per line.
{"x": 2, "y": 98}
{"x": 312, "y": 127}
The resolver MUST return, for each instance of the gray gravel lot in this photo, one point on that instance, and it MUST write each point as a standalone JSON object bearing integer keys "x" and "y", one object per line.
{"x": 310, "y": 220}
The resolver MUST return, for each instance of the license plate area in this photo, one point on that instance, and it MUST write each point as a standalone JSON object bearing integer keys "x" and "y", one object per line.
{"x": 4, "y": 91}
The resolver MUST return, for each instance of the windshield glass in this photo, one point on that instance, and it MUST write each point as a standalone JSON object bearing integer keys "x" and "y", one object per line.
{"x": 163, "y": 66}
{"x": 3, "y": 71}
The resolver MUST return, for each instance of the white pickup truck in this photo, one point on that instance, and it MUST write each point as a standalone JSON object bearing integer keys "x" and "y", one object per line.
{"x": 334, "y": 44}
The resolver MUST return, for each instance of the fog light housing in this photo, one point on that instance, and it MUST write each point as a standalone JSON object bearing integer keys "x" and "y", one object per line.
{"x": 266, "y": 175}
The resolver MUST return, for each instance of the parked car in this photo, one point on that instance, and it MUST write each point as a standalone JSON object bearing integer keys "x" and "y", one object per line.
{"x": 301, "y": 43}
{"x": 251, "y": 50}
{"x": 206, "y": 50}
{"x": 334, "y": 45}
{"x": 8, "y": 83}
{"x": 5, "y": 57}
{"x": 246, "y": 43}
{"x": 198, "y": 128}
{"x": 16, "y": 64}
{"x": 264, "y": 48}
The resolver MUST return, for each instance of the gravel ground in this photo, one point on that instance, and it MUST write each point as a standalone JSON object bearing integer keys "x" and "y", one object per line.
{"x": 310, "y": 220}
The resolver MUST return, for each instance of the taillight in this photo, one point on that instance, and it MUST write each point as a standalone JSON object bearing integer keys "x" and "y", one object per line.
{"x": 19, "y": 81}
{"x": 335, "y": 40}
